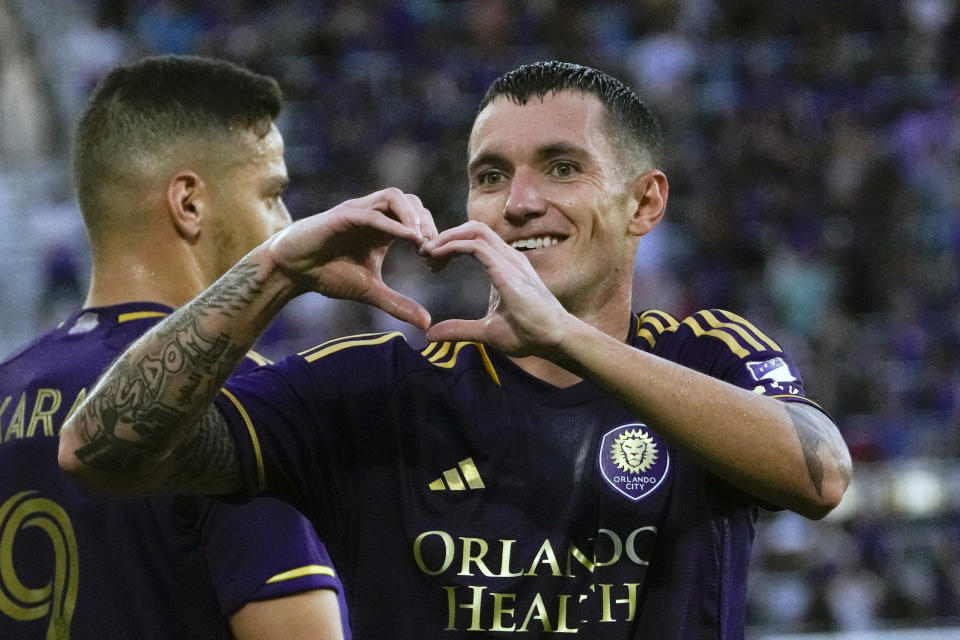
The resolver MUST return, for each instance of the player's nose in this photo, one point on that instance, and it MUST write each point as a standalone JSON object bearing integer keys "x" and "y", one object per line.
{"x": 525, "y": 199}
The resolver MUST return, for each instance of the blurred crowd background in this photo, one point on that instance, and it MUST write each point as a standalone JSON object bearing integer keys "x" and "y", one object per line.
{"x": 813, "y": 153}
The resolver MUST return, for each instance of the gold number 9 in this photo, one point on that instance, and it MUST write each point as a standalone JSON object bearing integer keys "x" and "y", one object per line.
{"x": 58, "y": 597}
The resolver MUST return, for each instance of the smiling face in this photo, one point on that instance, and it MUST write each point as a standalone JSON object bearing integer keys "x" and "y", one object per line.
{"x": 546, "y": 178}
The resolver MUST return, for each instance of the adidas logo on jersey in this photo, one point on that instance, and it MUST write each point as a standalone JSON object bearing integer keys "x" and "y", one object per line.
{"x": 451, "y": 478}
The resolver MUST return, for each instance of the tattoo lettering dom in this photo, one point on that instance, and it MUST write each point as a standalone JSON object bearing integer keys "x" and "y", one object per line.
{"x": 133, "y": 417}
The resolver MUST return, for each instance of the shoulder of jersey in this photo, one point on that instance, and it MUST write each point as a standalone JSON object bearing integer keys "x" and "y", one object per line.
{"x": 732, "y": 331}
{"x": 24, "y": 351}
{"x": 442, "y": 355}
{"x": 359, "y": 345}
{"x": 43, "y": 347}
{"x": 446, "y": 355}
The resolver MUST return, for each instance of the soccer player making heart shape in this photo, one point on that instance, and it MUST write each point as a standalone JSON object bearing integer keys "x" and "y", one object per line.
{"x": 562, "y": 464}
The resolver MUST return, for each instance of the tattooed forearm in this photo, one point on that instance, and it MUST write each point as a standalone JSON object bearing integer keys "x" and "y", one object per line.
{"x": 235, "y": 290}
{"x": 210, "y": 455}
{"x": 107, "y": 450}
{"x": 813, "y": 429}
{"x": 121, "y": 424}
{"x": 145, "y": 403}
{"x": 204, "y": 379}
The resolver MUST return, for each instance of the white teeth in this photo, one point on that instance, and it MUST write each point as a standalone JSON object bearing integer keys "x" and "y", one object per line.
{"x": 534, "y": 243}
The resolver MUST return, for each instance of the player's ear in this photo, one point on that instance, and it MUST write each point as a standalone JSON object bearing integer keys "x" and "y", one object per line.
{"x": 650, "y": 192}
{"x": 185, "y": 194}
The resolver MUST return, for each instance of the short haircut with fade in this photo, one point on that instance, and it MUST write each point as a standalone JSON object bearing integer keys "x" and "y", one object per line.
{"x": 150, "y": 109}
{"x": 630, "y": 125}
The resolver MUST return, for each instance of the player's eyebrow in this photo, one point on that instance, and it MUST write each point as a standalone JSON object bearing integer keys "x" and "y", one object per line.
{"x": 555, "y": 149}
{"x": 542, "y": 154}
{"x": 487, "y": 158}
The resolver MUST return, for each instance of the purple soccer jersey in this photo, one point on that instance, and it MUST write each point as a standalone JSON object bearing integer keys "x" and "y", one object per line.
{"x": 77, "y": 565}
{"x": 462, "y": 496}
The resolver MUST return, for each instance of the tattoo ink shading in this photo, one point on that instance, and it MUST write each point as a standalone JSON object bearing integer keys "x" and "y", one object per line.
{"x": 812, "y": 430}
{"x": 143, "y": 401}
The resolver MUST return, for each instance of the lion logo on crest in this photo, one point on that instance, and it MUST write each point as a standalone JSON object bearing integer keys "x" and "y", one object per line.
{"x": 634, "y": 451}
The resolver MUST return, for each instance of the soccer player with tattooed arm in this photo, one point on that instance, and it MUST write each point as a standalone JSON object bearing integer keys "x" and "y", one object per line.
{"x": 561, "y": 465}
{"x": 179, "y": 172}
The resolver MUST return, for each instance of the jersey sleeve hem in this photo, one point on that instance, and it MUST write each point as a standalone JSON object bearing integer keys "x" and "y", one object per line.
{"x": 245, "y": 435}
{"x": 307, "y": 578}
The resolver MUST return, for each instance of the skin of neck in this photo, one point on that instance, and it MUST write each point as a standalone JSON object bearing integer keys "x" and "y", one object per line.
{"x": 608, "y": 313}
{"x": 144, "y": 258}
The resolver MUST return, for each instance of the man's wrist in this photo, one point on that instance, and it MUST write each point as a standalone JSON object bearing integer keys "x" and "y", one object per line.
{"x": 568, "y": 341}
{"x": 277, "y": 281}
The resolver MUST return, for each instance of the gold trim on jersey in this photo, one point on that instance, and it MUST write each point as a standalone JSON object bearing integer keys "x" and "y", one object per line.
{"x": 450, "y": 362}
{"x": 749, "y": 325}
{"x": 652, "y": 323}
{"x": 308, "y": 570}
{"x": 721, "y": 334}
{"x": 742, "y": 328}
{"x": 140, "y": 315}
{"x": 254, "y": 441}
{"x": 730, "y": 333}
{"x": 740, "y": 336}
{"x": 434, "y": 355}
{"x": 332, "y": 346}
{"x": 487, "y": 364}
{"x": 259, "y": 359}
{"x": 443, "y": 351}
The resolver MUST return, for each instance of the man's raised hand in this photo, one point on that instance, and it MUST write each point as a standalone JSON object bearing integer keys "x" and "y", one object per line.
{"x": 339, "y": 253}
{"x": 523, "y": 317}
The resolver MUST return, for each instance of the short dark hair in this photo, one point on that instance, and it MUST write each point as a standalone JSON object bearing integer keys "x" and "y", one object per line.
{"x": 157, "y": 104}
{"x": 631, "y": 126}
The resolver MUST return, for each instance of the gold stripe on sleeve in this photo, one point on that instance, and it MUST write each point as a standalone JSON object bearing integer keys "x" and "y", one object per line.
{"x": 760, "y": 334}
{"x": 646, "y": 335}
{"x": 662, "y": 319}
{"x": 715, "y": 322}
{"x": 259, "y": 359}
{"x": 340, "y": 340}
{"x": 309, "y": 570}
{"x": 346, "y": 344}
{"x": 139, "y": 315}
{"x": 658, "y": 321}
{"x": 720, "y": 334}
{"x": 254, "y": 441}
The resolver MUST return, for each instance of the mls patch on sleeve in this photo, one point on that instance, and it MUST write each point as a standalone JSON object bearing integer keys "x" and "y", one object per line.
{"x": 775, "y": 369}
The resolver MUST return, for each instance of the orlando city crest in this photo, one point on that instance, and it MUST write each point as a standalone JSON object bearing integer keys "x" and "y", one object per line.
{"x": 633, "y": 460}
